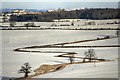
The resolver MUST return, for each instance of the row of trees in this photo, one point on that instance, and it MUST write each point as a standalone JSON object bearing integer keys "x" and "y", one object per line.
{"x": 29, "y": 24}
{"x": 74, "y": 14}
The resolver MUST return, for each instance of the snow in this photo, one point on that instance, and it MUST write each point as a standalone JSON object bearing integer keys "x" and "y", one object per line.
{"x": 12, "y": 61}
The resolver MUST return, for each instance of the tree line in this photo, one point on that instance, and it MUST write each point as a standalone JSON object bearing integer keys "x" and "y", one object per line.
{"x": 95, "y": 14}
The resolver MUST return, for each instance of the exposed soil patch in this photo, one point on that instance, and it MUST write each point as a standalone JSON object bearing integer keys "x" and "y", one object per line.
{"x": 46, "y": 68}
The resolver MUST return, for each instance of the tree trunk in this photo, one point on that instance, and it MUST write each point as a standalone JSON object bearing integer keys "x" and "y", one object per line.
{"x": 26, "y": 75}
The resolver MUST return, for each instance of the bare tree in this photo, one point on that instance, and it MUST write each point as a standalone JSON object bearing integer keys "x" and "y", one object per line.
{"x": 31, "y": 24}
{"x": 118, "y": 33}
{"x": 12, "y": 24}
{"x": 71, "y": 59}
{"x": 72, "y": 24}
{"x": 90, "y": 54}
{"x": 26, "y": 69}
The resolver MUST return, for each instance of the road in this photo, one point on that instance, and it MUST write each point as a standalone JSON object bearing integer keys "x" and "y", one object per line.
{"x": 62, "y": 45}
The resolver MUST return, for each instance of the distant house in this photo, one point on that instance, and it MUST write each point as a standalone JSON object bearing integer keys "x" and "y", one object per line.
{"x": 1, "y": 18}
{"x": 5, "y": 17}
{"x": 51, "y": 10}
{"x": 18, "y": 12}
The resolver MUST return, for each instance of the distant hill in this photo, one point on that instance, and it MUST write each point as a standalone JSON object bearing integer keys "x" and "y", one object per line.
{"x": 35, "y": 10}
{"x": 27, "y": 10}
{"x": 95, "y": 14}
{"x": 6, "y": 10}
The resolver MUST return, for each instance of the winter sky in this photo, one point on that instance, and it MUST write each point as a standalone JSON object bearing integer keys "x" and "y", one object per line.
{"x": 54, "y": 4}
{"x": 60, "y": 0}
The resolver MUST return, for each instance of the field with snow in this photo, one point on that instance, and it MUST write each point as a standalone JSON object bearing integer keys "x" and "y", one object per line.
{"x": 12, "y": 61}
{"x": 77, "y": 24}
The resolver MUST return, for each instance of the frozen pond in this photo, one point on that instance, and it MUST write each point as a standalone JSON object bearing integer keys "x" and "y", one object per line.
{"x": 12, "y": 39}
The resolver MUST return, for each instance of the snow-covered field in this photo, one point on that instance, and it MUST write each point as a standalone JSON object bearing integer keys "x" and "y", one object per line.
{"x": 12, "y": 61}
{"x": 77, "y": 24}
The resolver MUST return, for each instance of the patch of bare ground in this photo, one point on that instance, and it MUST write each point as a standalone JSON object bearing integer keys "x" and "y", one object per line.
{"x": 46, "y": 68}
